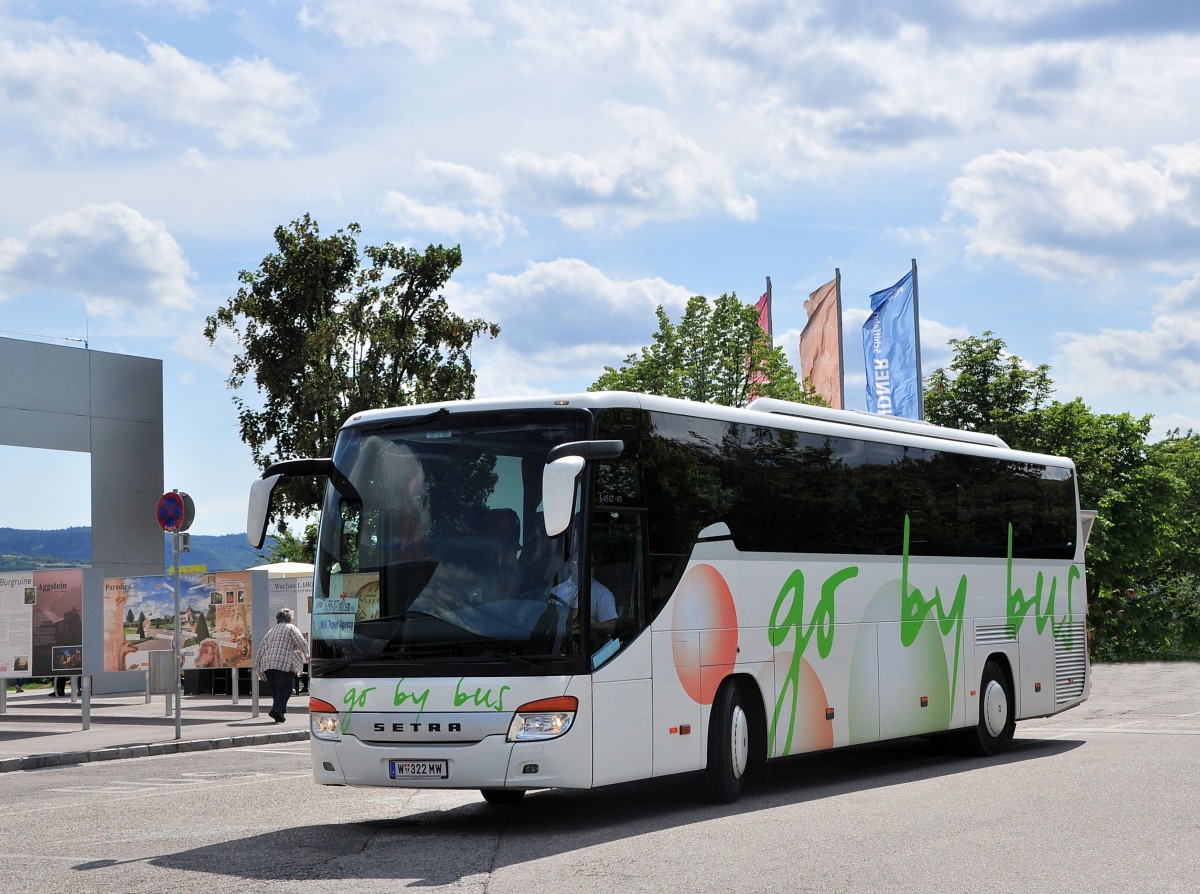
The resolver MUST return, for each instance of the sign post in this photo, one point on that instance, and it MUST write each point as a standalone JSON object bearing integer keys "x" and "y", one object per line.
{"x": 175, "y": 513}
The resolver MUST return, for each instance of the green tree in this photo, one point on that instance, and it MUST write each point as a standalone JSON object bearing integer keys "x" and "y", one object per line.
{"x": 1179, "y": 457}
{"x": 717, "y": 354}
{"x": 200, "y": 632}
{"x": 1140, "y": 557}
{"x": 987, "y": 389}
{"x": 287, "y": 546}
{"x": 324, "y": 331}
{"x": 1158, "y": 615}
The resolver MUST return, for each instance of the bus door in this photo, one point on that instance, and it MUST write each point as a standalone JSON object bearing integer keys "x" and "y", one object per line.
{"x": 621, "y": 683}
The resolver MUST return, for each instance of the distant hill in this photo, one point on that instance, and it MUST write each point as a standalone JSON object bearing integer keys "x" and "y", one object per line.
{"x": 27, "y": 550}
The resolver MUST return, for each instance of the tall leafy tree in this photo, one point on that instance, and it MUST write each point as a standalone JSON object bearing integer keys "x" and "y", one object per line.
{"x": 717, "y": 354}
{"x": 1142, "y": 581}
{"x": 1179, "y": 456}
{"x": 325, "y": 330}
{"x": 987, "y": 389}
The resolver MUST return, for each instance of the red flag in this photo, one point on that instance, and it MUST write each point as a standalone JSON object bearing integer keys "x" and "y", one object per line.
{"x": 821, "y": 343}
{"x": 763, "y": 306}
{"x": 764, "y": 310}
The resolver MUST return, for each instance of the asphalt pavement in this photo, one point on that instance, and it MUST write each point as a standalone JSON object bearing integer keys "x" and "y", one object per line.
{"x": 37, "y": 730}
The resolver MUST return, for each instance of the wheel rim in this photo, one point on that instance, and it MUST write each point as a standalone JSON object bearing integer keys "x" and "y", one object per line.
{"x": 739, "y": 742}
{"x": 995, "y": 708}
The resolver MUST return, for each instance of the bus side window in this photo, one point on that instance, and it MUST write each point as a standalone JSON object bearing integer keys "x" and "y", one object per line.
{"x": 616, "y": 563}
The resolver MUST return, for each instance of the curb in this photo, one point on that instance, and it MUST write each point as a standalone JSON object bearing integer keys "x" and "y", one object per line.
{"x": 121, "y": 752}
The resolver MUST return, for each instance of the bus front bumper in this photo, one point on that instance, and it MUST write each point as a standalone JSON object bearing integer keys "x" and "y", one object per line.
{"x": 490, "y": 763}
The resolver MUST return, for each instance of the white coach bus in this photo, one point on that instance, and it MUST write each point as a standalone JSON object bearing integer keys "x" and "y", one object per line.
{"x": 589, "y": 589}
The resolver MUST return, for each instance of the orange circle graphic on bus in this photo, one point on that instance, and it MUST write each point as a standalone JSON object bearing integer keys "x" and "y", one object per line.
{"x": 704, "y": 607}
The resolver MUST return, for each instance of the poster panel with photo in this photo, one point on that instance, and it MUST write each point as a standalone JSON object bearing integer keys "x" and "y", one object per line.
{"x": 214, "y": 620}
{"x": 16, "y": 623}
{"x": 41, "y": 623}
{"x": 230, "y": 630}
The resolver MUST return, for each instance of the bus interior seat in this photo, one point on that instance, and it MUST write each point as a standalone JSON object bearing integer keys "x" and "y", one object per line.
{"x": 504, "y": 526}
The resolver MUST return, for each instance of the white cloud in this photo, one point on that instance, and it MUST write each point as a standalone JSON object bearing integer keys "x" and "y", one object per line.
{"x": 654, "y": 173}
{"x": 1182, "y": 298}
{"x": 935, "y": 343}
{"x": 186, "y": 7}
{"x": 245, "y": 102}
{"x": 78, "y": 94}
{"x": 552, "y": 369}
{"x": 457, "y": 199}
{"x": 420, "y": 26}
{"x": 1083, "y": 212}
{"x": 566, "y": 315}
{"x": 490, "y": 227}
{"x": 808, "y": 90}
{"x": 114, "y": 259}
{"x": 1164, "y": 359}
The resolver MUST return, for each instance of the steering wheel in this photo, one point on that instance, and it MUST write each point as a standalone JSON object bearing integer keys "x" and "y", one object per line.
{"x": 546, "y": 596}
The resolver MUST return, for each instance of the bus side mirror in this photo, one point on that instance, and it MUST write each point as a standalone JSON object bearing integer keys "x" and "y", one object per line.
{"x": 558, "y": 492}
{"x": 259, "y": 509}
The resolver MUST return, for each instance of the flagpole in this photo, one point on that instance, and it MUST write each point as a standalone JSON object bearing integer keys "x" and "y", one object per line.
{"x": 917, "y": 339}
{"x": 770, "y": 320}
{"x": 837, "y": 291}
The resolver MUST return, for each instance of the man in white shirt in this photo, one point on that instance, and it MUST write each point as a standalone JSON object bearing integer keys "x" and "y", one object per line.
{"x": 604, "y": 605}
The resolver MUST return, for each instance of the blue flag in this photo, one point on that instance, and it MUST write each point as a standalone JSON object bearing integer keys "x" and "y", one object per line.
{"x": 890, "y": 351}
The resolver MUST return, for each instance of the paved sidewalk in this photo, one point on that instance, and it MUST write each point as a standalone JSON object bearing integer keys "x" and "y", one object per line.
{"x": 40, "y": 731}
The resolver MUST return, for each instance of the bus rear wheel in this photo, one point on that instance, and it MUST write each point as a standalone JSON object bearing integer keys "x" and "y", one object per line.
{"x": 997, "y": 717}
{"x": 501, "y": 797}
{"x": 729, "y": 743}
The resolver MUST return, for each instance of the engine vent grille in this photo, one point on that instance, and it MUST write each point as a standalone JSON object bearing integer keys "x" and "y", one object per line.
{"x": 1070, "y": 664}
{"x": 995, "y": 634}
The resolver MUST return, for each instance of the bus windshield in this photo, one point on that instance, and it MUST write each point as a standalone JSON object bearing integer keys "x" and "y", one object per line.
{"x": 433, "y": 546}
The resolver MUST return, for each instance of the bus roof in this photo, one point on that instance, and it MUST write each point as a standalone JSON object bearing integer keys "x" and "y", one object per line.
{"x": 821, "y": 420}
{"x": 873, "y": 420}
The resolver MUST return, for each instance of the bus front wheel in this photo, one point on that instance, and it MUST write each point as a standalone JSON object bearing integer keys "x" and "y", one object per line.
{"x": 997, "y": 717}
{"x": 728, "y": 745}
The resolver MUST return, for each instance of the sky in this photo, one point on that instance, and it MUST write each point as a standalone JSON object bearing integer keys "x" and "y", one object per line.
{"x": 1039, "y": 159}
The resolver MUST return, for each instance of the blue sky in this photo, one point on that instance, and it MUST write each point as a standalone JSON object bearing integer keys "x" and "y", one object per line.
{"x": 1037, "y": 157}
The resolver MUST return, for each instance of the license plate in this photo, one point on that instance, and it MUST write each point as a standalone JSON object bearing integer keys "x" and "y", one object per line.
{"x": 418, "y": 770}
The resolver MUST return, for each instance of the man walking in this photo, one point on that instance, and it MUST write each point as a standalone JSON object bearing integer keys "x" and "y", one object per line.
{"x": 281, "y": 654}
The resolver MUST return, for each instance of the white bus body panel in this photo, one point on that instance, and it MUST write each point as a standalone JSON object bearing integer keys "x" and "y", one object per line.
{"x": 623, "y": 721}
{"x": 841, "y": 659}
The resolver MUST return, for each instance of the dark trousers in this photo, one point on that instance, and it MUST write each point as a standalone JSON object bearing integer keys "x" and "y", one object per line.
{"x": 281, "y": 690}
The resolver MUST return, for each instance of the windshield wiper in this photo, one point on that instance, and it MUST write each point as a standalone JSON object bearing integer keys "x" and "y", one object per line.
{"x": 414, "y": 421}
{"x": 334, "y": 665}
{"x": 493, "y": 653}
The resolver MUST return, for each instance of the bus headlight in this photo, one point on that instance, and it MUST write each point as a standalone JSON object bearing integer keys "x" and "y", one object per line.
{"x": 547, "y": 718}
{"x": 323, "y": 720}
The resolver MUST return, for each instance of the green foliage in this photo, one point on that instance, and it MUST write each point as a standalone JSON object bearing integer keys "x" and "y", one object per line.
{"x": 989, "y": 391}
{"x": 289, "y": 547}
{"x": 1179, "y": 458}
{"x": 325, "y": 331}
{"x": 1160, "y": 622}
{"x": 1141, "y": 558}
{"x": 717, "y": 354}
